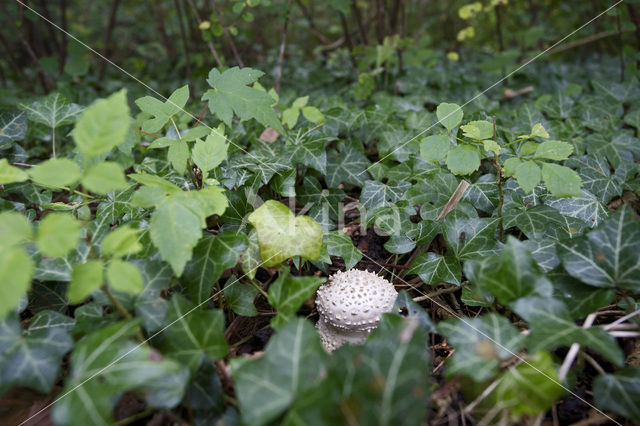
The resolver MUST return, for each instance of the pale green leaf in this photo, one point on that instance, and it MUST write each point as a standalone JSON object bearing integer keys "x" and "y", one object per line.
{"x": 56, "y": 173}
{"x": 449, "y": 115}
{"x": 14, "y": 228}
{"x": 478, "y": 130}
{"x": 313, "y": 114}
{"x": 554, "y": 150}
{"x": 16, "y": 270}
{"x": 58, "y": 233}
{"x": 178, "y": 154}
{"x": 124, "y": 276}
{"x": 85, "y": 279}
{"x": 10, "y": 174}
{"x": 528, "y": 175}
{"x": 122, "y": 241}
{"x": 208, "y": 154}
{"x": 104, "y": 177}
{"x": 463, "y": 159}
{"x": 434, "y": 148}
{"x": 434, "y": 268}
{"x": 561, "y": 181}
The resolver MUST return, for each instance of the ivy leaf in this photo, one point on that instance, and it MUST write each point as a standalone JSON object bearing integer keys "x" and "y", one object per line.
{"x": 150, "y": 307}
{"x": 230, "y": 94}
{"x": 463, "y": 159}
{"x": 478, "y": 130}
{"x": 288, "y": 293}
{"x": 607, "y": 256}
{"x": 310, "y": 151}
{"x": 240, "y": 297}
{"x": 449, "y": 115}
{"x": 32, "y": 357}
{"x": 208, "y": 154}
{"x": 434, "y": 268}
{"x": 530, "y": 388}
{"x": 528, "y": 175}
{"x": 282, "y": 235}
{"x": 58, "y": 234}
{"x": 268, "y": 385}
{"x": 470, "y": 237}
{"x": 540, "y": 221}
{"x": 340, "y": 244}
{"x": 85, "y": 279}
{"x": 53, "y": 110}
{"x": 586, "y": 208}
{"x": 480, "y": 344}
{"x": 552, "y": 326}
{"x": 561, "y": 181}
{"x": 13, "y": 127}
{"x": 104, "y": 177}
{"x": 103, "y": 125}
{"x": 377, "y": 194}
{"x": 56, "y": 173}
{"x": 211, "y": 257}
{"x": 619, "y": 392}
{"x": 596, "y": 177}
{"x": 195, "y": 336}
{"x": 10, "y": 174}
{"x": 349, "y": 166}
{"x": 435, "y": 147}
{"x": 554, "y": 150}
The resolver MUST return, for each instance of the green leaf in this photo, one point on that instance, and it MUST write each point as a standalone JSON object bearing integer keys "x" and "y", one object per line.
{"x": 607, "y": 256}
{"x": 540, "y": 221}
{"x": 13, "y": 126}
{"x": 10, "y": 174}
{"x": 208, "y": 154}
{"x": 240, "y": 297}
{"x": 490, "y": 145}
{"x": 512, "y": 275}
{"x": 53, "y": 110}
{"x": 14, "y": 228}
{"x": 122, "y": 241}
{"x": 511, "y": 165}
{"x": 56, "y": 173}
{"x": 178, "y": 154}
{"x": 124, "y": 276}
{"x": 561, "y": 181}
{"x": 313, "y": 114}
{"x": 434, "y": 268}
{"x": 377, "y": 194}
{"x": 340, "y": 244}
{"x": 85, "y": 279}
{"x": 596, "y": 177}
{"x": 310, "y": 151}
{"x": 619, "y": 392}
{"x": 528, "y": 175}
{"x": 480, "y": 344}
{"x": 230, "y": 94}
{"x": 538, "y": 131}
{"x": 177, "y": 100}
{"x": 32, "y": 357}
{"x": 434, "y": 148}
{"x": 58, "y": 233}
{"x": 288, "y": 293}
{"x": 478, "y": 130}
{"x": 586, "y": 208}
{"x": 268, "y": 385}
{"x": 349, "y": 166}
{"x": 162, "y": 111}
{"x": 155, "y": 181}
{"x": 552, "y": 326}
{"x": 463, "y": 159}
{"x": 107, "y": 363}
{"x": 282, "y": 235}
{"x": 554, "y": 150}
{"x": 16, "y": 270}
{"x": 211, "y": 257}
{"x": 449, "y": 115}
{"x": 470, "y": 237}
{"x": 530, "y": 388}
{"x": 290, "y": 116}
{"x": 194, "y": 334}
{"x": 104, "y": 177}
{"x": 150, "y": 306}
{"x": 103, "y": 125}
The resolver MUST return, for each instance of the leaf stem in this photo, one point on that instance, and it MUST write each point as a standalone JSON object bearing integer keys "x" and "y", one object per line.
{"x": 53, "y": 141}
{"x": 123, "y": 311}
{"x": 259, "y": 288}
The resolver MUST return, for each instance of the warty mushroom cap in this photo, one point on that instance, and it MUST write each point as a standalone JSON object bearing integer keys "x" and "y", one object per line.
{"x": 355, "y": 300}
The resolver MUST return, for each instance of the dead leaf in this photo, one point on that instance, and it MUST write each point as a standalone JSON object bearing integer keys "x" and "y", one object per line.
{"x": 269, "y": 135}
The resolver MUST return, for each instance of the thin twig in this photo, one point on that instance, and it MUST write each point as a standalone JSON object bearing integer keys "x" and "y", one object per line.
{"x": 573, "y": 350}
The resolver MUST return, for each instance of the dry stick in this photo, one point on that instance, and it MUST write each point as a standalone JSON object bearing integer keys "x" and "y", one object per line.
{"x": 347, "y": 37}
{"x": 358, "y": 16}
{"x": 573, "y": 350}
{"x": 436, "y": 293}
{"x": 454, "y": 199}
{"x": 633, "y": 15}
{"x": 185, "y": 44}
{"x": 621, "y": 320}
{"x": 102, "y": 67}
{"x": 227, "y": 35}
{"x": 13, "y": 62}
{"x": 156, "y": 9}
{"x": 53, "y": 35}
{"x": 213, "y": 50}
{"x": 63, "y": 24}
{"x": 312, "y": 25}
{"x": 283, "y": 44}
{"x": 469, "y": 408}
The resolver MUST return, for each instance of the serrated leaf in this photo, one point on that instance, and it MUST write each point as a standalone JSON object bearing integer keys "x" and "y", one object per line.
{"x": 13, "y": 126}
{"x": 10, "y": 174}
{"x": 606, "y": 256}
{"x": 478, "y": 130}
{"x": 480, "y": 344}
{"x": 14, "y": 228}
{"x": 561, "y": 181}
{"x": 177, "y": 155}
{"x": 211, "y": 257}
{"x": 53, "y": 110}
{"x": 470, "y": 237}
{"x": 208, "y": 154}
{"x": 122, "y": 241}
{"x": 230, "y": 94}
{"x": 268, "y": 385}
{"x": 32, "y": 357}
{"x": 528, "y": 175}
{"x": 85, "y": 279}
{"x": 619, "y": 392}
{"x": 435, "y": 147}
{"x": 434, "y": 268}
{"x": 58, "y": 233}
{"x": 538, "y": 131}
{"x": 554, "y": 150}
{"x": 104, "y": 177}
{"x": 56, "y": 173}
{"x": 463, "y": 159}
{"x": 103, "y": 125}
{"x": 449, "y": 115}
{"x": 552, "y": 326}
{"x": 313, "y": 114}
{"x": 16, "y": 270}
{"x": 490, "y": 145}
{"x": 288, "y": 293}
{"x": 124, "y": 276}
{"x": 195, "y": 335}
{"x": 282, "y": 235}
{"x": 340, "y": 244}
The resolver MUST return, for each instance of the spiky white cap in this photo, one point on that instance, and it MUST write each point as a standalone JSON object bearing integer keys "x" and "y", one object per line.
{"x": 350, "y": 305}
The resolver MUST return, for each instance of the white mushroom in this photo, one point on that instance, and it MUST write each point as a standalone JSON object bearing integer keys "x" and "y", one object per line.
{"x": 350, "y": 305}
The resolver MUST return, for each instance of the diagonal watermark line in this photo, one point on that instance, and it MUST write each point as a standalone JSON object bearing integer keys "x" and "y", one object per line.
{"x": 496, "y": 83}
{"x": 68, "y": 34}
{"x": 103, "y": 369}
{"x": 463, "y": 319}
